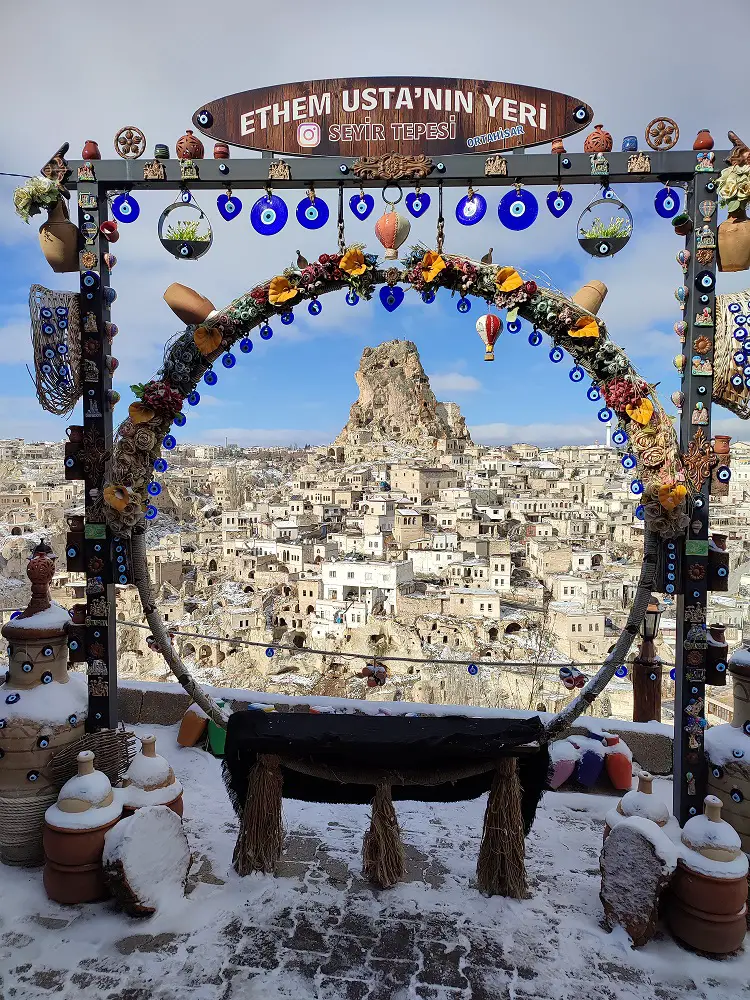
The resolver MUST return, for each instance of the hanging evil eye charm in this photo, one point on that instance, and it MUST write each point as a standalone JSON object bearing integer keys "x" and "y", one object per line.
{"x": 428, "y": 296}
{"x": 593, "y": 394}
{"x": 535, "y": 338}
{"x": 723, "y": 474}
{"x": 351, "y": 298}
{"x": 154, "y": 489}
{"x": 169, "y": 442}
{"x": 621, "y": 671}
{"x": 266, "y": 332}
{"x": 463, "y": 305}
{"x": 269, "y": 652}
{"x": 180, "y": 420}
{"x": 734, "y": 307}
{"x": 90, "y": 280}
{"x": 269, "y": 215}
{"x": 194, "y": 398}
{"x": 125, "y": 208}
{"x": 471, "y": 209}
{"x": 315, "y": 308}
{"x": 391, "y": 298}
{"x": 558, "y": 202}
{"x": 473, "y": 669}
{"x": 361, "y": 205}
{"x": 667, "y": 203}
{"x": 312, "y": 213}
{"x": 628, "y": 461}
{"x": 518, "y": 210}
{"x": 417, "y": 204}
{"x": 605, "y": 414}
{"x": 287, "y": 318}
{"x": 228, "y": 360}
{"x": 151, "y": 512}
{"x": 246, "y": 345}
{"x": 160, "y": 465}
{"x": 514, "y": 326}
{"x": 556, "y": 354}
{"x": 619, "y": 437}
{"x": 229, "y": 207}
{"x": 636, "y": 487}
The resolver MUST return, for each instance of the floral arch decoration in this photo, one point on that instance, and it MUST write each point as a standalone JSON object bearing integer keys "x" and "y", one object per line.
{"x": 661, "y": 481}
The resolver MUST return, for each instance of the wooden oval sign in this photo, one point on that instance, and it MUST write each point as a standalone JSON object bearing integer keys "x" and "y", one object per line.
{"x": 359, "y": 117}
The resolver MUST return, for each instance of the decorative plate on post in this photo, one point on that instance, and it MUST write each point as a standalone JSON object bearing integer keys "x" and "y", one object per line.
{"x": 599, "y": 237}
{"x": 185, "y": 238}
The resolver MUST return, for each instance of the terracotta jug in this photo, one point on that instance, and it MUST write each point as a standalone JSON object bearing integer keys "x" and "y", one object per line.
{"x": 189, "y": 147}
{"x": 598, "y": 141}
{"x": 221, "y": 151}
{"x": 704, "y": 140}
{"x": 591, "y": 296}
{"x": 734, "y": 242}
{"x": 90, "y": 150}
{"x": 721, "y": 444}
{"x": 58, "y": 238}
{"x": 618, "y": 763}
{"x": 187, "y": 304}
{"x": 638, "y": 802}
{"x": 150, "y": 781}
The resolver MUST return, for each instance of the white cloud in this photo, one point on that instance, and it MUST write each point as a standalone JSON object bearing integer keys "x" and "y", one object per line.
{"x": 454, "y": 382}
{"x": 550, "y": 435}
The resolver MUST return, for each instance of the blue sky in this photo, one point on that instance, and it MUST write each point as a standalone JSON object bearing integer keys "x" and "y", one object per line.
{"x": 297, "y": 388}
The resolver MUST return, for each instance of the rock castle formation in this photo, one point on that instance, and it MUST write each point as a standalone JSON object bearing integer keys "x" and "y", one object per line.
{"x": 396, "y": 402}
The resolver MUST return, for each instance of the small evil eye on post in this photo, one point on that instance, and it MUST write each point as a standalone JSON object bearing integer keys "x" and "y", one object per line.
{"x": 580, "y": 113}
{"x": 43, "y": 742}
{"x": 473, "y": 669}
{"x": 705, "y": 281}
{"x": 90, "y": 280}
{"x": 204, "y": 118}
{"x": 566, "y": 162}
{"x": 723, "y": 474}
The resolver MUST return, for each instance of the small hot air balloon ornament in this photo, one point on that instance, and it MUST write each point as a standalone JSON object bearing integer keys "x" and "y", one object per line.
{"x": 683, "y": 259}
{"x": 489, "y": 328}
{"x": 392, "y": 230}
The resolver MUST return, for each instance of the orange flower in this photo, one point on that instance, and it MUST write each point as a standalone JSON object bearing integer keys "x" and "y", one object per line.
{"x": 432, "y": 265}
{"x": 280, "y": 291}
{"x": 139, "y": 413}
{"x": 117, "y": 497}
{"x": 353, "y": 262}
{"x": 671, "y": 495}
{"x": 584, "y": 327}
{"x": 641, "y": 411}
{"x": 207, "y": 339}
{"x": 508, "y": 279}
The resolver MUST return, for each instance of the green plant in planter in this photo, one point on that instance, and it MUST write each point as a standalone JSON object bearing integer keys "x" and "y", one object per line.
{"x": 616, "y": 228}
{"x": 187, "y": 231}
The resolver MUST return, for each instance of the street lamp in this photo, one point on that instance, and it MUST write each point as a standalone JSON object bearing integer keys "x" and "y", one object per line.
{"x": 647, "y": 669}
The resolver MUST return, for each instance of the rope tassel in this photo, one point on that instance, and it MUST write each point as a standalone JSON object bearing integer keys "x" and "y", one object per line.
{"x": 382, "y": 848}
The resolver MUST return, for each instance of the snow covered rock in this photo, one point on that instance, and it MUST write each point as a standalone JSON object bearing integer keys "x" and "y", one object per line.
{"x": 637, "y": 863}
{"x": 146, "y": 860}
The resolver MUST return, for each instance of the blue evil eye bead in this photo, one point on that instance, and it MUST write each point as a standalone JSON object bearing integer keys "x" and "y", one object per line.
{"x": 621, "y": 671}
{"x": 180, "y": 420}
{"x": 605, "y": 414}
{"x": 204, "y": 118}
{"x": 48, "y": 651}
{"x": 287, "y": 318}
{"x": 186, "y": 197}
{"x": 556, "y": 354}
{"x": 270, "y": 651}
{"x": 48, "y": 329}
{"x": 169, "y": 442}
{"x": 471, "y": 209}
{"x": 609, "y": 194}
{"x": 518, "y": 210}
{"x": 154, "y": 489}
{"x": 705, "y": 281}
{"x": 122, "y": 578}
{"x": 62, "y": 349}
{"x": 352, "y": 298}
{"x": 628, "y": 461}
{"x": 724, "y": 474}
{"x": 672, "y": 674}
{"x": 125, "y": 208}
{"x": 361, "y": 205}
{"x": 740, "y": 319}
{"x": 228, "y": 360}
{"x": 667, "y": 203}
{"x": 269, "y": 215}
{"x": 428, "y": 296}
{"x": 391, "y": 298}
{"x": 417, "y": 204}
{"x": 151, "y": 512}
{"x": 558, "y": 203}
{"x": 90, "y": 279}
{"x": 734, "y": 307}
{"x": 27, "y": 667}
{"x": 737, "y": 381}
{"x": 73, "y": 720}
{"x": 739, "y": 358}
{"x": 312, "y": 213}
{"x": 46, "y": 313}
{"x": 736, "y": 795}
{"x": 229, "y": 207}
{"x": 43, "y": 742}
{"x": 593, "y": 394}
{"x": 739, "y": 754}
{"x": 514, "y": 326}
{"x": 32, "y": 776}
{"x": 246, "y": 345}
{"x": 12, "y": 699}
{"x": 640, "y": 513}
{"x": 473, "y": 669}
{"x": 463, "y": 305}
{"x": 636, "y": 487}
{"x": 721, "y": 667}
{"x": 266, "y": 332}
{"x": 46, "y": 677}
{"x": 315, "y": 308}
{"x": 49, "y": 352}
{"x": 576, "y": 374}
{"x": 535, "y": 338}
{"x": 740, "y": 333}
{"x": 210, "y": 378}
{"x": 160, "y": 465}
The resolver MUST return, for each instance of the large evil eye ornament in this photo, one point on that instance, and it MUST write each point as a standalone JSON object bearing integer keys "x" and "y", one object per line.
{"x": 391, "y": 298}
{"x": 361, "y": 205}
{"x": 180, "y": 420}
{"x": 246, "y": 345}
{"x": 210, "y": 378}
{"x": 667, "y": 203}
{"x": 315, "y": 308}
{"x": 229, "y": 360}
{"x": 558, "y": 202}
{"x": 169, "y": 442}
{"x": 580, "y": 114}
{"x": 705, "y": 281}
{"x": 417, "y": 204}
{"x": 269, "y": 215}
{"x": 154, "y": 489}
{"x": 90, "y": 280}
{"x": 518, "y": 210}
{"x": 266, "y": 332}
{"x": 151, "y": 512}
{"x": 160, "y": 465}
{"x": 229, "y": 207}
{"x": 471, "y": 209}
{"x": 125, "y": 208}
{"x": 312, "y": 213}
{"x": 514, "y": 326}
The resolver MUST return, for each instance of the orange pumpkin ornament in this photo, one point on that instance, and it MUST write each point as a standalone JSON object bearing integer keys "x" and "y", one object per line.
{"x": 207, "y": 339}
{"x": 641, "y": 411}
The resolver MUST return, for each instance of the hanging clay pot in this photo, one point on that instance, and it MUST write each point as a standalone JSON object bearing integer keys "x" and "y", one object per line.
{"x": 734, "y": 242}
{"x": 591, "y": 296}
{"x": 704, "y": 140}
{"x": 58, "y": 238}
{"x": 189, "y": 147}
{"x": 188, "y": 305}
{"x": 598, "y": 141}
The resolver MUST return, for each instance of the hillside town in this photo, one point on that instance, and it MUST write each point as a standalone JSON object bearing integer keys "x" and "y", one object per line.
{"x": 401, "y": 562}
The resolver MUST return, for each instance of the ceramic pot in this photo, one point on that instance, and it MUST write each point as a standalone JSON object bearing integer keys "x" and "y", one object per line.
{"x": 75, "y": 847}
{"x": 591, "y": 296}
{"x": 734, "y": 242}
{"x": 189, "y": 147}
{"x": 90, "y": 150}
{"x": 161, "y": 151}
{"x": 188, "y": 305}
{"x": 221, "y": 151}
{"x": 704, "y": 140}
{"x": 558, "y": 147}
{"x": 109, "y": 231}
{"x": 718, "y": 896}
{"x": 619, "y": 766}
{"x": 714, "y": 934}
{"x": 682, "y": 224}
{"x": 176, "y": 805}
{"x": 630, "y": 144}
{"x": 75, "y": 433}
{"x": 598, "y": 141}
{"x": 721, "y": 444}
{"x": 74, "y": 884}
{"x": 58, "y": 238}
{"x": 192, "y": 728}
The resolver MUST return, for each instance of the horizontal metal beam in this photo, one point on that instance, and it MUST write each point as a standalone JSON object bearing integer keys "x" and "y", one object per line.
{"x": 675, "y": 166}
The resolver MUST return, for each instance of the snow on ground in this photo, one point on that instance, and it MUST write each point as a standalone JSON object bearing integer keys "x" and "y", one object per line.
{"x": 319, "y": 931}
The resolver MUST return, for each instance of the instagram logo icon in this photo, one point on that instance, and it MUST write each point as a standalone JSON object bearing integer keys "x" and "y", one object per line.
{"x": 308, "y": 134}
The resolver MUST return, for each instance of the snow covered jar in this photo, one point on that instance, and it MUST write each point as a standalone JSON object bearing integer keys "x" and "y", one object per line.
{"x": 707, "y": 905}
{"x": 728, "y": 750}
{"x": 150, "y": 781}
{"x": 42, "y": 710}
{"x": 74, "y": 830}
{"x": 639, "y": 802}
